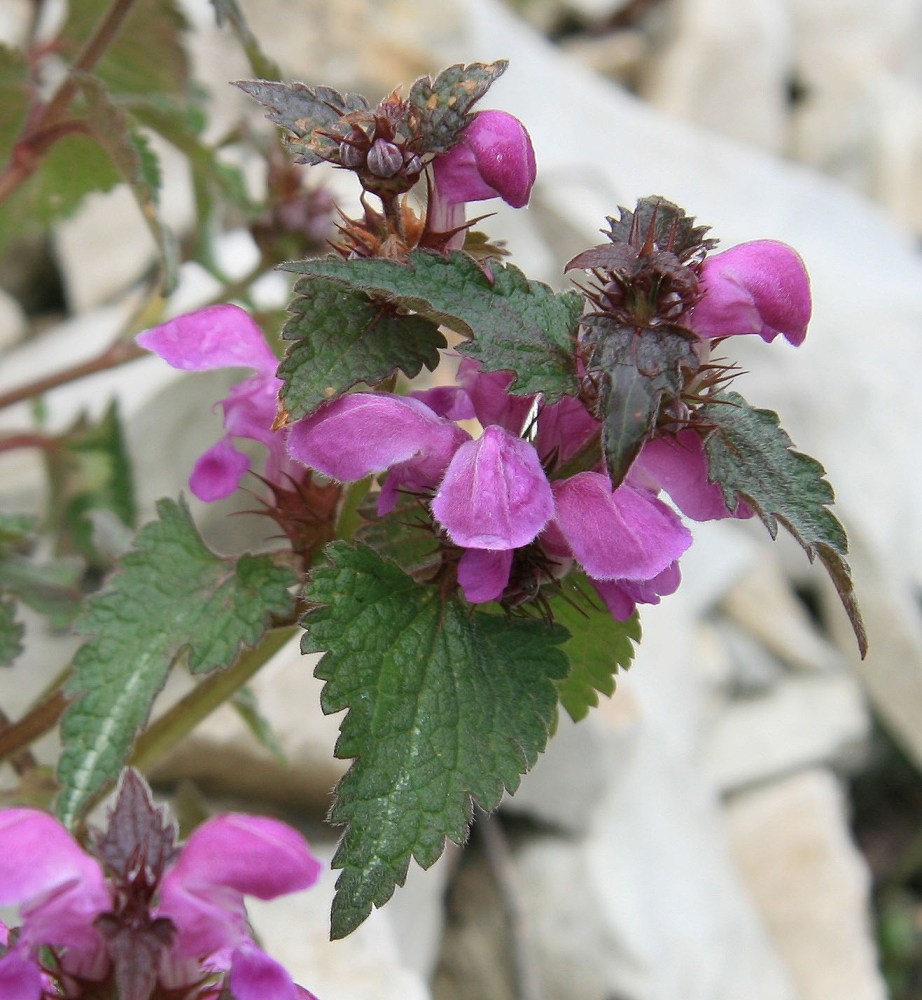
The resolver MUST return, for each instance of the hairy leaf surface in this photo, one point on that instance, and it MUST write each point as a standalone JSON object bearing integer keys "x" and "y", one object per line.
{"x": 751, "y": 457}
{"x": 342, "y": 337}
{"x": 444, "y": 707}
{"x": 514, "y": 324}
{"x": 172, "y": 595}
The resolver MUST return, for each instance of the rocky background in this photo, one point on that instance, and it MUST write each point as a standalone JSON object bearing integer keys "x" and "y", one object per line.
{"x": 741, "y": 820}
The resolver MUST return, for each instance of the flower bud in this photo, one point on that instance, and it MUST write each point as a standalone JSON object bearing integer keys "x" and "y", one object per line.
{"x": 759, "y": 287}
{"x": 494, "y": 158}
{"x": 350, "y": 155}
{"x": 384, "y": 158}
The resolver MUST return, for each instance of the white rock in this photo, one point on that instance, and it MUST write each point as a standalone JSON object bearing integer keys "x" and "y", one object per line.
{"x": 791, "y": 842}
{"x": 367, "y": 965}
{"x": 13, "y": 322}
{"x": 799, "y": 722}
{"x": 727, "y": 73}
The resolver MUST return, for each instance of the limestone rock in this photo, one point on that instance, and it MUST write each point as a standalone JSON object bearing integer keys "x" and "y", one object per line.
{"x": 791, "y": 843}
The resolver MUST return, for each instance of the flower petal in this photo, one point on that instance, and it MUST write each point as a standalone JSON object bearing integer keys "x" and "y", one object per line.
{"x": 20, "y": 977}
{"x": 250, "y": 408}
{"x": 218, "y": 471}
{"x": 679, "y": 466}
{"x": 623, "y": 535}
{"x": 622, "y": 596}
{"x": 759, "y": 287}
{"x": 494, "y": 494}
{"x": 254, "y": 855}
{"x": 484, "y": 573}
{"x": 353, "y": 436}
{"x": 226, "y": 857}
{"x": 61, "y": 889}
{"x": 221, "y": 336}
{"x": 494, "y": 158}
{"x": 256, "y": 976}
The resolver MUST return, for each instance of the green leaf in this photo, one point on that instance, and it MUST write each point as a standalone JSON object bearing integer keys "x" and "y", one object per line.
{"x": 406, "y": 534}
{"x": 599, "y": 645}
{"x": 302, "y": 110}
{"x": 146, "y": 59}
{"x": 636, "y": 369}
{"x": 246, "y": 706}
{"x": 445, "y": 706}
{"x": 516, "y": 324}
{"x": 139, "y": 166}
{"x": 444, "y": 103}
{"x": 751, "y": 458}
{"x": 171, "y": 596}
{"x": 11, "y": 631}
{"x": 51, "y": 589}
{"x": 343, "y": 337}
{"x": 90, "y": 472}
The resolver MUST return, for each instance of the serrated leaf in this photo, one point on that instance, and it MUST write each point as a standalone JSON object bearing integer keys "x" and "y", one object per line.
{"x": 635, "y": 370}
{"x": 444, "y": 706}
{"x": 599, "y": 646}
{"x": 668, "y": 225}
{"x": 172, "y": 595}
{"x": 343, "y": 337}
{"x": 751, "y": 457}
{"x": 444, "y": 103}
{"x": 139, "y": 167}
{"x": 11, "y": 631}
{"x": 515, "y": 324}
{"x": 301, "y": 110}
{"x": 89, "y": 471}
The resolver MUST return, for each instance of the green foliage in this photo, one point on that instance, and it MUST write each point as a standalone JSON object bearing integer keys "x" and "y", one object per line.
{"x": 146, "y": 61}
{"x": 445, "y": 706}
{"x": 131, "y": 153}
{"x": 89, "y": 471}
{"x": 228, "y": 13}
{"x": 598, "y": 647}
{"x": 304, "y": 112}
{"x": 51, "y": 588}
{"x": 342, "y": 337}
{"x": 171, "y": 596}
{"x": 11, "y": 631}
{"x": 514, "y": 323}
{"x": 636, "y": 369}
{"x": 751, "y": 458}
{"x": 444, "y": 103}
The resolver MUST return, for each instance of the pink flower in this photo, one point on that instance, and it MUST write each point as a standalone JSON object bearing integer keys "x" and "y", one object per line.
{"x": 678, "y": 464}
{"x": 161, "y": 919}
{"x": 760, "y": 287}
{"x": 225, "y": 336}
{"x": 494, "y": 158}
{"x": 491, "y": 494}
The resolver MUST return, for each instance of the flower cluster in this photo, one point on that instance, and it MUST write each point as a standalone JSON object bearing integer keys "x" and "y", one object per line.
{"x": 520, "y": 490}
{"x": 140, "y": 918}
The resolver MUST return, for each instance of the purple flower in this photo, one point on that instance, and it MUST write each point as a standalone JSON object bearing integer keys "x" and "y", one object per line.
{"x": 494, "y": 158}
{"x": 760, "y": 287}
{"x": 678, "y": 464}
{"x": 491, "y": 494}
{"x": 225, "y": 336}
{"x": 118, "y": 931}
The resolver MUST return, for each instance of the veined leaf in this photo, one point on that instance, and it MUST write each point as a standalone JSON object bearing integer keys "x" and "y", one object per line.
{"x": 172, "y": 595}
{"x": 599, "y": 646}
{"x": 751, "y": 458}
{"x": 444, "y": 103}
{"x": 445, "y": 708}
{"x": 515, "y": 324}
{"x": 342, "y": 337}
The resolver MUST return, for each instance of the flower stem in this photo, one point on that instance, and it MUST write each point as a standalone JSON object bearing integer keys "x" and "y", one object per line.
{"x": 203, "y": 699}
{"x": 27, "y": 154}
